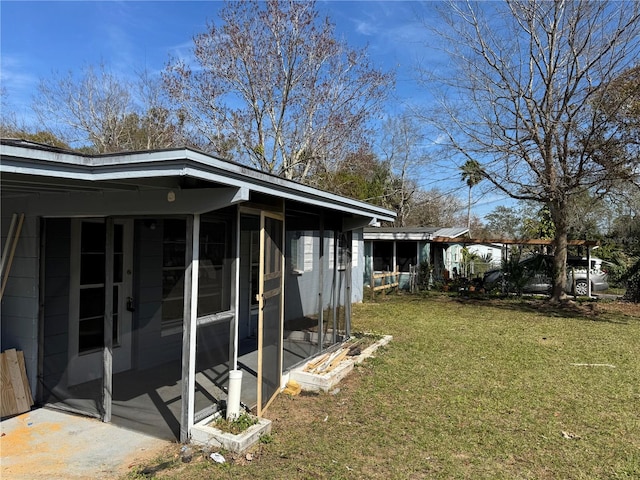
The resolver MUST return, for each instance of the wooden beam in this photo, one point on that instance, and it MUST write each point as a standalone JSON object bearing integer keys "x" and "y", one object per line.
{"x": 7, "y": 242}
{"x": 9, "y": 261}
{"x": 511, "y": 241}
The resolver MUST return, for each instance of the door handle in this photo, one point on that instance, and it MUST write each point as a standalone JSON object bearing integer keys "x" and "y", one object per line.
{"x": 130, "y": 306}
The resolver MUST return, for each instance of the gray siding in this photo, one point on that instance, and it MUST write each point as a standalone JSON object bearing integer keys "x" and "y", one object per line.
{"x": 302, "y": 288}
{"x": 152, "y": 348}
{"x": 19, "y": 313}
{"x": 56, "y": 300}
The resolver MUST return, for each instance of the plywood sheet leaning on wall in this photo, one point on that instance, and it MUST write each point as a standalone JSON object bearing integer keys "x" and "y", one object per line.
{"x": 15, "y": 392}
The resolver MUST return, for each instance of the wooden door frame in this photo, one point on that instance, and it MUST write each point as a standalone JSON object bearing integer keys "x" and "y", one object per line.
{"x": 261, "y": 282}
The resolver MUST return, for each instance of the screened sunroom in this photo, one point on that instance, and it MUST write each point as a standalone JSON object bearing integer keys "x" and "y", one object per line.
{"x": 141, "y": 279}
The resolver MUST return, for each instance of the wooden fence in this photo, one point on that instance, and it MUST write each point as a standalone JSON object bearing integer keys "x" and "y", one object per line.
{"x": 389, "y": 281}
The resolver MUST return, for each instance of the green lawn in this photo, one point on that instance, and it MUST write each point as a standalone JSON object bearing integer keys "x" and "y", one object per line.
{"x": 467, "y": 389}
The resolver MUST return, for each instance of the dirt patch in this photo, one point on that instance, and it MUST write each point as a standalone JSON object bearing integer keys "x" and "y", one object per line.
{"x": 595, "y": 309}
{"x": 624, "y": 308}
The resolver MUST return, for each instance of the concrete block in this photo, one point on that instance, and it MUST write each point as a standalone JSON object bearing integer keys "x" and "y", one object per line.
{"x": 314, "y": 382}
{"x": 204, "y": 434}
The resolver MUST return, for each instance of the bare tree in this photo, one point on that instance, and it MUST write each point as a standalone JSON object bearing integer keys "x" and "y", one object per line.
{"x": 273, "y": 77}
{"x": 100, "y": 111}
{"x": 434, "y": 208}
{"x": 402, "y": 149}
{"x": 153, "y": 124}
{"x": 89, "y": 109}
{"x": 523, "y": 98}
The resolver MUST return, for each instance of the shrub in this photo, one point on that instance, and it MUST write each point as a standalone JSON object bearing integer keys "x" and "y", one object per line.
{"x": 633, "y": 284}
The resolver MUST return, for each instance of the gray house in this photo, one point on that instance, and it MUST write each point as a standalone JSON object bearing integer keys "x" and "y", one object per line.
{"x": 134, "y": 282}
{"x": 397, "y": 249}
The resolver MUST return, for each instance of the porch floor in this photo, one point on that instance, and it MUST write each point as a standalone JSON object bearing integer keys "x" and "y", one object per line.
{"x": 46, "y": 444}
{"x": 149, "y": 401}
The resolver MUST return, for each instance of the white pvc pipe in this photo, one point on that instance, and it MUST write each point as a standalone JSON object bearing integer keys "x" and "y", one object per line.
{"x": 233, "y": 395}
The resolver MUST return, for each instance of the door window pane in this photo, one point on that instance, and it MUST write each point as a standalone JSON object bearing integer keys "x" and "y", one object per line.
{"x": 173, "y": 269}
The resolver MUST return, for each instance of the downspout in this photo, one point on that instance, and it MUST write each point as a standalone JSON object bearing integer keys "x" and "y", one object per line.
{"x": 235, "y": 375}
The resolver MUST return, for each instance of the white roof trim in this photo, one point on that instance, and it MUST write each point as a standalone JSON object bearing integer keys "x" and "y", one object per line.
{"x": 171, "y": 163}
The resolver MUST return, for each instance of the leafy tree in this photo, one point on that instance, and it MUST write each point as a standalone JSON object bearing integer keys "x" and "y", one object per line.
{"x": 273, "y": 76}
{"x": 505, "y": 222}
{"x": 23, "y": 133}
{"x": 540, "y": 226}
{"x": 618, "y": 137}
{"x": 471, "y": 174}
{"x": 523, "y": 96}
{"x": 620, "y": 108}
{"x": 362, "y": 177}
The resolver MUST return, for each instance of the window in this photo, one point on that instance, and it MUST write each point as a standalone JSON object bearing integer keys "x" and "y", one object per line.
{"x": 383, "y": 256}
{"x": 343, "y": 251}
{"x": 214, "y": 280}
{"x": 300, "y": 253}
{"x": 407, "y": 255}
{"x": 214, "y": 273}
{"x": 92, "y": 286}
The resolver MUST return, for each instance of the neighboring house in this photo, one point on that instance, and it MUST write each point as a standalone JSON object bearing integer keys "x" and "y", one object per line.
{"x": 492, "y": 253}
{"x": 140, "y": 279}
{"x": 400, "y": 248}
{"x": 487, "y": 257}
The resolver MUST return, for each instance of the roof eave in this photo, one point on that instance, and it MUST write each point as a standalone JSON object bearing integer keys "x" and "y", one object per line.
{"x": 171, "y": 163}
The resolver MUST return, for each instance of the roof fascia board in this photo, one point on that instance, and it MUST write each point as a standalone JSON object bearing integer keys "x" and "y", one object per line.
{"x": 349, "y": 224}
{"x": 397, "y": 236}
{"x": 181, "y": 162}
{"x": 506, "y": 241}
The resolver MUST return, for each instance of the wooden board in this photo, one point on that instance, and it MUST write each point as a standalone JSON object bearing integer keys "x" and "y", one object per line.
{"x": 336, "y": 361}
{"x": 383, "y": 287}
{"x": 25, "y": 380}
{"x": 15, "y": 392}
{"x": 7, "y": 397}
{"x": 377, "y": 276}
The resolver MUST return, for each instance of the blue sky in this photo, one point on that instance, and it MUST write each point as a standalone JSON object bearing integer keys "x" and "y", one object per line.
{"x": 38, "y": 38}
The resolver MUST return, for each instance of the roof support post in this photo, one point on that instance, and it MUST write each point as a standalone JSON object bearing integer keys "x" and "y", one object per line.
{"x": 588, "y": 271}
{"x": 107, "y": 378}
{"x": 189, "y": 330}
{"x": 321, "y": 280}
{"x": 348, "y": 280}
{"x": 233, "y": 330}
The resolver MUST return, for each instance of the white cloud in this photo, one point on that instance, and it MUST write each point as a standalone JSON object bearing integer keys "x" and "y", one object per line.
{"x": 17, "y": 80}
{"x": 365, "y": 28}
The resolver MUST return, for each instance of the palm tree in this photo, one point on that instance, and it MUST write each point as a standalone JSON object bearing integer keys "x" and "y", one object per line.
{"x": 472, "y": 174}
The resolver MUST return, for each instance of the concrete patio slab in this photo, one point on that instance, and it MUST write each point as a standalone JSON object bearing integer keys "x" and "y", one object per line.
{"x": 48, "y": 444}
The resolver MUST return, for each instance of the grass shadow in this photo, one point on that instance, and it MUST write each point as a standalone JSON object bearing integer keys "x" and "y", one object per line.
{"x": 616, "y": 312}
